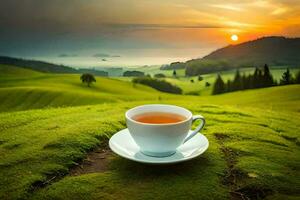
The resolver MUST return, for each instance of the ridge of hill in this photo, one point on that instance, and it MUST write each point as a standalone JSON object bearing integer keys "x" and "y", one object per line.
{"x": 273, "y": 50}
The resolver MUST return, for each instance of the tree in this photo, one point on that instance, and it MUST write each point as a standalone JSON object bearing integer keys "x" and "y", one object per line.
{"x": 87, "y": 78}
{"x": 267, "y": 77}
{"x": 207, "y": 84}
{"x": 237, "y": 81}
{"x": 159, "y": 75}
{"x": 200, "y": 78}
{"x": 133, "y": 73}
{"x": 229, "y": 86}
{"x": 286, "y": 78}
{"x": 158, "y": 84}
{"x": 174, "y": 73}
{"x": 297, "y": 80}
{"x": 192, "y": 80}
{"x": 257, "y": 78}
{"x": 219, "y": 86}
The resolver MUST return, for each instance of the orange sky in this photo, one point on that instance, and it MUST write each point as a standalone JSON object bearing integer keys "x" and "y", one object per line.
{"x": 174, "y": 29}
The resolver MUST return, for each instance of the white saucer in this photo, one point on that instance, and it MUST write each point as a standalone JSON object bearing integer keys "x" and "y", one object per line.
{"x": 122, "y": 144}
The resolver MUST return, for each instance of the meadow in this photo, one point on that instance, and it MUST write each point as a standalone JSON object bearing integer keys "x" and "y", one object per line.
{"x": 199, "y": 87}
{"x": 51, "y": 123}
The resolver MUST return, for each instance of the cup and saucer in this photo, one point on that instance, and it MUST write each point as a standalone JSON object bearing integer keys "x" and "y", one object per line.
{"x": 159, "y": 143}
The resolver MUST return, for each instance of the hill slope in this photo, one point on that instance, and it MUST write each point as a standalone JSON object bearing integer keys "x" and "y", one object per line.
{"x": 22, "y": 89}
{"x": 36, "y": 65}
{"x": 254, "y": 152}
{"x": 271, "y": 50}
{"x": 46, "y": 67}
{"x": 275, "y": 51}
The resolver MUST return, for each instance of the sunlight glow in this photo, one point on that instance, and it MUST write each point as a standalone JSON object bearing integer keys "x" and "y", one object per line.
{"x": 234, "y": 38}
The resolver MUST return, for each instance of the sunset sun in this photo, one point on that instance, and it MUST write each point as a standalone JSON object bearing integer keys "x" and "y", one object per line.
{"x": 234, "y": 38}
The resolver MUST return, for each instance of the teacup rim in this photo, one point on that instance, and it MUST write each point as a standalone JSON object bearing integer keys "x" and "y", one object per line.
{"x": 155, "y": 124}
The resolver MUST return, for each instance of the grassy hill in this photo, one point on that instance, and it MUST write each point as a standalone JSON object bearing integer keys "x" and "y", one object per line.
{"x": 272, "y": 50}
{"x": 22, "y": 89}
{"x": 46, "y": 67}
{"x": 199, "y": 88}
{"x": 254, "y": 140}
{"x": 275, "y": 51}
{"x": 254, "y": 151}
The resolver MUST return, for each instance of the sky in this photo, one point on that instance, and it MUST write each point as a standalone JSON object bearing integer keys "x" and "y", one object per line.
{"x": 137, "y": 32}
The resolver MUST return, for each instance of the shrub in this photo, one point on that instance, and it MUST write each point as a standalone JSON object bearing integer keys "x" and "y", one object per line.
{"x": 133, "y": 73}
{"x": 160, "y": 75}
{"x": 157, "y": 84}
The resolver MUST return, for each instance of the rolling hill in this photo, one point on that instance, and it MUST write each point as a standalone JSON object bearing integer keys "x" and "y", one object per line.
{"x": 275, "y": 51}
{"x": 272, "y": 50}
{"x": 22, "y": 89}
{"x": 251, "y": 140}
{"x": 46, "y": 67}
{"x": 50, "y": 122}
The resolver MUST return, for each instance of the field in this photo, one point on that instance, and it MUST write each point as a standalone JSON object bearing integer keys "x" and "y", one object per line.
{"x": 254, "y": 140}
{"x": 21, "y": 89}
{"x": 198, "y": 87}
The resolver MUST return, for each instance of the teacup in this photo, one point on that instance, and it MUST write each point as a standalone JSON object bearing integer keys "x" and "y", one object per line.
{"x": 161, "y": 139}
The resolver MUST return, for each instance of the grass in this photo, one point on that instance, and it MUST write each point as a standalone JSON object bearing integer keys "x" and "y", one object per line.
{"x": 21, "y": 91}
{"x": 199, "y": 88}
{"x": 254, "y": 142}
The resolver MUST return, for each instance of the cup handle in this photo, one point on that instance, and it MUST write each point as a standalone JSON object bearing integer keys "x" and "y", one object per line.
{"x": 201, "y": 125}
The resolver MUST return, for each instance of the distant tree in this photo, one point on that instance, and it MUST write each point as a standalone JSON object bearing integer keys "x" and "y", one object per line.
{"x": 87, "y": 78}
{"x": 244, "y": 82}
{"x": 200, "y": 78}
{"x": 286, "y": 78}
{"x": 297, "y": 80}
{"x": 192, "y": 80}
{"x": 174, "y": 73}
{"x": 228, "y": 86}
{"x": 219, "y": 86}
{"x": 159, "y": 75}
{"x": 260, "y": 83}
{"x": 267, "y": 77}
{"x": 257, "y": 78}
{"x": 207, "y": 84}
{"x": 237, "y": 81}
{"x": 158, "y": 84}
{"x": 133, "y": 73}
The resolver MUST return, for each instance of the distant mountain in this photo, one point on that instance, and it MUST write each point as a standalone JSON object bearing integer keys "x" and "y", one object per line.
{"x": 36, "y": 65}
{"x": 46, "y": 67}
{"x": 275, "y": 51}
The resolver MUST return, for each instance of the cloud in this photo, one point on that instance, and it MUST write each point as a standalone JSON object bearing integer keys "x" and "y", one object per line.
{"x": 279, "y": 11}
{"x": 162, "y": 26}
{"x": 104, "y": 55}
{"x": 227, "y": 7}
{"x": 64, "y": 55}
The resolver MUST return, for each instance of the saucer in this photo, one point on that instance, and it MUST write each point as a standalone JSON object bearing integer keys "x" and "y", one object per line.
{"x": 123, "y": 144}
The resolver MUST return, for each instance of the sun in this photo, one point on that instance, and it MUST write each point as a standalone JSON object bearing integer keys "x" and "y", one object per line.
{"x": 234, "y": 38}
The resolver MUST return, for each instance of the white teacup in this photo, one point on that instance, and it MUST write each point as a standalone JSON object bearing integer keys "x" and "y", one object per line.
{"x": 161, "y": 140}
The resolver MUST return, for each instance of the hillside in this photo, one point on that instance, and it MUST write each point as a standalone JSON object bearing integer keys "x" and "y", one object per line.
{"x": 46, "y": 67}
{"x": 22, "y": 89}
{"x": 275, "y": 51}
{"x": 39, "y": 149}
{"x": 271, "y": 50}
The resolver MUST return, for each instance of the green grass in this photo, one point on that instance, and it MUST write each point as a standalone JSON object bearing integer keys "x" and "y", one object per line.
{"x": 198, "y": 87}
{"x": 21, "y": 91}
{"x": 259, "y": 130}
{"x": 38, "y": 144}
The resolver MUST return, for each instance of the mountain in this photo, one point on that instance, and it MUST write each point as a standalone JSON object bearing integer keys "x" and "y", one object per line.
{"x": 275, "y": 51}
{"x": 36, "y": 65}
{"x": 46, "y": 67}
